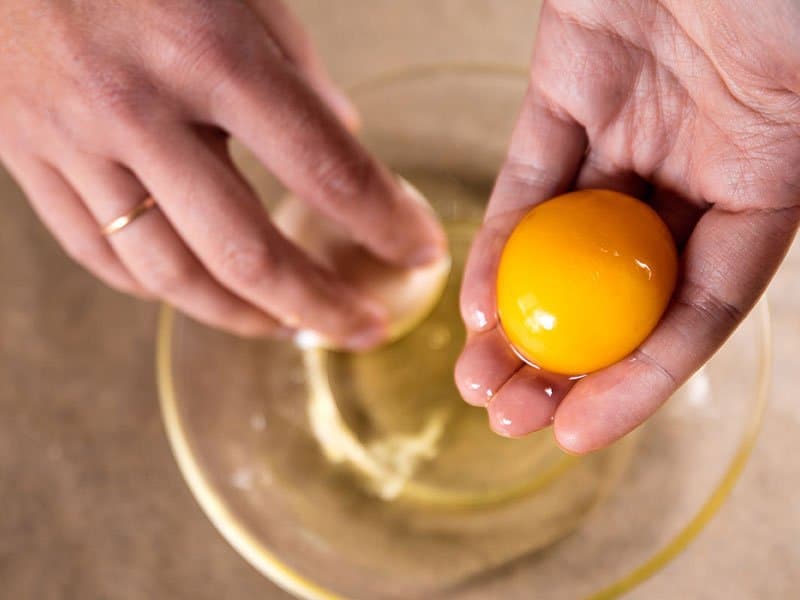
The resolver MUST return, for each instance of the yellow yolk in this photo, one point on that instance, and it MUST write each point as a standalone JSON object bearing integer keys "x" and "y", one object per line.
{"x": 584, "y": 279}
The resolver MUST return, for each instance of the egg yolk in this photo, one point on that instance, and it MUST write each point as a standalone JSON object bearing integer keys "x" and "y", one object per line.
{"x": 583, "y": 280}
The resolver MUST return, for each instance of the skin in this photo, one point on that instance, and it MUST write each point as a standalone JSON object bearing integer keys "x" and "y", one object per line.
{"x": 103, "y": 104}
{"x": 693, "y": 106}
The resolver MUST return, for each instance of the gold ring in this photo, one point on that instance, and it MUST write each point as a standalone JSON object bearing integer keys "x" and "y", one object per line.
{"x": 121, "y": 222}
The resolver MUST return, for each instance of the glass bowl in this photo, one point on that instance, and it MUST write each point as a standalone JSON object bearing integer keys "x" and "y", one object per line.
{"x": 365, "y": 476}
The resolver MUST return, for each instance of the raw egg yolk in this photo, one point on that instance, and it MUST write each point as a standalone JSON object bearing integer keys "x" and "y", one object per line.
{"x": 583, "y": 280}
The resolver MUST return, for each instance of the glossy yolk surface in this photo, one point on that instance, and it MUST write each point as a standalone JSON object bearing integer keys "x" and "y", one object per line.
{"x": 584, "y": 279}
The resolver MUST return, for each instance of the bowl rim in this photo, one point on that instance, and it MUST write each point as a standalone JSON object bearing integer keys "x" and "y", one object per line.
{"x": 267, "y": 563}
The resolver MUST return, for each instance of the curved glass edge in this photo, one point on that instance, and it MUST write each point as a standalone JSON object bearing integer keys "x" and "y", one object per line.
{"x": 215, "y": 508}
{"x": 726, "y": 484}
{"x": 263, "y": 560}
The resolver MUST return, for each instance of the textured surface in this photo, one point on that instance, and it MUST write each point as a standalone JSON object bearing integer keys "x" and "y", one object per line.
{"x": 92, "y": 503}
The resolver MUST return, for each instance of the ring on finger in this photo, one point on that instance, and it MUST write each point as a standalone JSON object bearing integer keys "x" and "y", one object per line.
{"x": 121, "y": 222}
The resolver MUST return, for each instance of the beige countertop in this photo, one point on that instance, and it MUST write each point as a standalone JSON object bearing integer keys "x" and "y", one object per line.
{"x": 93, "y": 505}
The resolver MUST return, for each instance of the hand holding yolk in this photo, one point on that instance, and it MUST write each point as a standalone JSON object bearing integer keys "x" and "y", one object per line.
{"x": 583, "y": 280}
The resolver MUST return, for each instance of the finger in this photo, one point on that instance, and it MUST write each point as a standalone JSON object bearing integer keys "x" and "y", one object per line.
{"x": 294, "y": 43}
{"x": 485, "y": 364}
{"x": 728, "y": 262}
{"x": 546, "y": 149}
{"x": 282, "y": 120}
{"x": 526, "y": 402}
{"x": 519, "y": 398}
{"x": 157, "y": 257}
{"x": 217, "y": 215}
{"x": 63, "y": 213}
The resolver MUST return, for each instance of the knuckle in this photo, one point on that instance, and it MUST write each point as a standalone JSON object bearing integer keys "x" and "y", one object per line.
{"x": 209, "y": 45}
{"x": 342, "y": 178}
{"x": 98, "y": 88}
{"x": 117, "y": 93}
{"x": 246, "y": 265}
{"x": 709, "y": 306}
{"x": 657, "y": 366}
{"x": 210, "y": 49}
{"x": 104, "y": 86}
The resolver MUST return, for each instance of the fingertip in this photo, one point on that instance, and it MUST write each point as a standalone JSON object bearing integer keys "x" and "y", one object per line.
{"x": 126, "y": 286}
{"x": 477, "y": 302}
{"x": 497, "y": 426}
{"x": 472, "y": 389}
{"x": 475, "y": 317}
{"x": 427, "y": 239}
{"x": 569, "y": 439}
{"x": 485, "y": 364}
{"x": 116, "y": 277}
{"x": 366, "y": 338}
{"x": 515, "y": 417}
{"x": 526, "y": 403}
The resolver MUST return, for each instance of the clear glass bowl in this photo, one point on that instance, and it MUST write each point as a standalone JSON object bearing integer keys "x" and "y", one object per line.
{"x": 343, "y": 476}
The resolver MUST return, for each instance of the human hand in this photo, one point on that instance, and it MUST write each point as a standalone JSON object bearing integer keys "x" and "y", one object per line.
{"x": 103, "y": 104}
{"x": 694, "y": 107}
